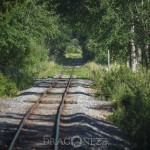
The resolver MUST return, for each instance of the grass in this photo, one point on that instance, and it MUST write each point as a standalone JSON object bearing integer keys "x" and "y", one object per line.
{"x": 87, "y": 70}
{"x": 50, "y": 69}
{"x": 73, "y": 55}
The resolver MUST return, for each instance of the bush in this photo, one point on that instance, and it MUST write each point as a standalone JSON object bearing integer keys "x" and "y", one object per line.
{"x": 7, "y": 87}
{"x": 132, "y": 112}
{"x": 130, "y": 95}
{"x": 25, "y": 31}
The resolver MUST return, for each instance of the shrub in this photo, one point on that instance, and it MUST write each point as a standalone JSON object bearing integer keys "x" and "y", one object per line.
{"x": 130, "y": 95}
{"x": 132, "y": 112}
{"x": 7, "y": 87}
{"x": 25, "y": 30}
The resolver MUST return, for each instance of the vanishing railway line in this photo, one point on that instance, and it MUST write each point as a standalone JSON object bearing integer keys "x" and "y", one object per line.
{"x": 33, "y": 108}
{"x": 59, "y": 113}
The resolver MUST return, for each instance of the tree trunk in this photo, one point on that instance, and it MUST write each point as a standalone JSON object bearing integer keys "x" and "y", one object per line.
{"x": 147, "y": 55}
{"x": 108, "y": 60}
{"x": 133, "y": 56}
{"x": 139, "y": 54}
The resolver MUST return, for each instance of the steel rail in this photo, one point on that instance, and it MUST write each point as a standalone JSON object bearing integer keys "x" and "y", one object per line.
{"x": 32, "y": 108}
{"x": 57, "y": 125}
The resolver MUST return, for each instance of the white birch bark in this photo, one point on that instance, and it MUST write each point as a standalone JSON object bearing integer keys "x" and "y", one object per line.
{"x": 133, "y": 53}
{"x": 139, "y": 57}
{"x": 108, "y": 59}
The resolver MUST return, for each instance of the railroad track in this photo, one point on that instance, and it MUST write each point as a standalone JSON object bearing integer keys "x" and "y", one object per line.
{"x": 45, "y": 99}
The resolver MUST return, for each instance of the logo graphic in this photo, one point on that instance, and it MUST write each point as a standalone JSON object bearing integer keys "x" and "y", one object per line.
{"x": 76, "y": 141}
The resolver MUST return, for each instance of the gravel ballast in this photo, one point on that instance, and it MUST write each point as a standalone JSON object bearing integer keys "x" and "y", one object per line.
{"x": 83, "y": 117}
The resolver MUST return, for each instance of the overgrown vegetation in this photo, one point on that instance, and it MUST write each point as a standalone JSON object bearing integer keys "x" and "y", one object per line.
{"x": 130, "y": 94}
{"x": 26, "y": 29}
{"x": 7, "y": 87}
{"x": 50, "y": 69}
{"x": 86, "y": 71}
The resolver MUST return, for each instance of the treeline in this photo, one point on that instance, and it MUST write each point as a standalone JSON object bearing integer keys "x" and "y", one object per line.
{"x": 24, "y": 29}
{"x": 30, "y": 32}
{"x": 123, "y": 27}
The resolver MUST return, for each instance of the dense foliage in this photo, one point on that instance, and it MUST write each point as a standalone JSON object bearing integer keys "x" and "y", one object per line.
{"x": 26, "y": 30}
{"x": 122, "y": 27}
{"x": 7, "y": 87}
{"x": 130, "y": 95}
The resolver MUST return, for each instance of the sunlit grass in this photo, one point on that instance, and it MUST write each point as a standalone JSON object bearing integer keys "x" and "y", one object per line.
{"x": 73, "y": 55}
{"x": 87, "y": 70}
{"x": 50, "y": 69}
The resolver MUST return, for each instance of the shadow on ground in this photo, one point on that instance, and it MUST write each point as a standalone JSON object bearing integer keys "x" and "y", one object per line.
{"x": 88, "y": 133}
{"x": 70, "y": 61}
{"x": 83, "y": 132}
{"x": 78, "y": 132}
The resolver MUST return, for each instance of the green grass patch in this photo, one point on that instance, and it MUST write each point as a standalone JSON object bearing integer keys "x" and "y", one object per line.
{"x": 50, "y": 69}
{"x": 73, "y": 55}
{"x": 87, "y": 70}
